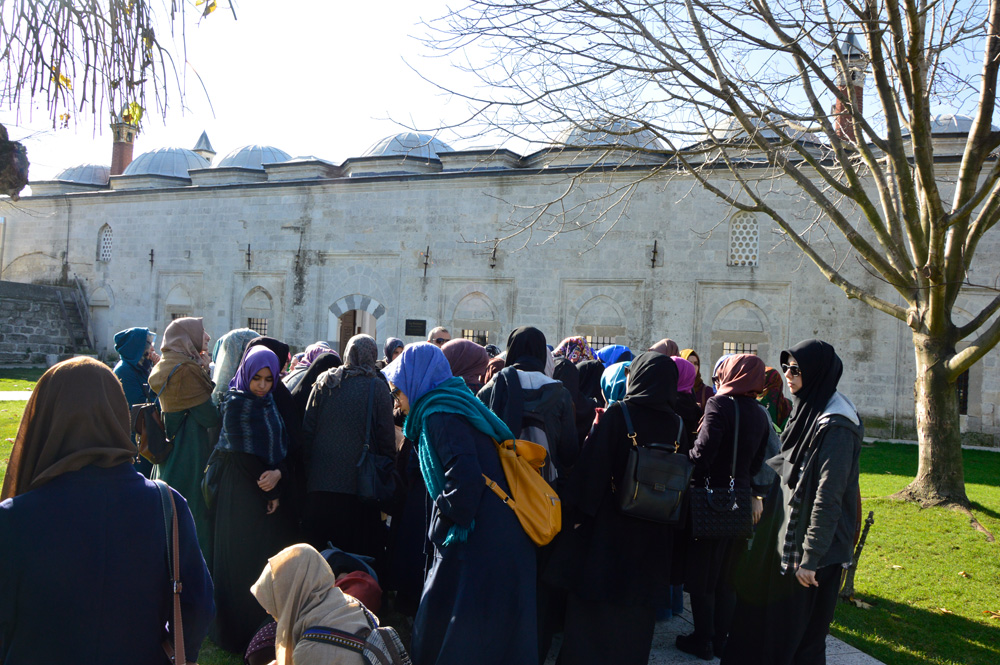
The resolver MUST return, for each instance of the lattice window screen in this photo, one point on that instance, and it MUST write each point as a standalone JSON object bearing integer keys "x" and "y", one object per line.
{"x": 744, "y": 240}
{"x": 104, "y": 247}
{"x": 258, "y": 325}
{"x": 481, "y": 337}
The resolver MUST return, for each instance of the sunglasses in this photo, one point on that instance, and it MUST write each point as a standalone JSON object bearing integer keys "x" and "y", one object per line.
{"x": 795, "y": 370}
{"x": 440, "y": 340}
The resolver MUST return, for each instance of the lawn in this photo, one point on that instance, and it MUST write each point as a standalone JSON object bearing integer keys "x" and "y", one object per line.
{"x": 20, "y": 378}
{"x": 931, "y": 579}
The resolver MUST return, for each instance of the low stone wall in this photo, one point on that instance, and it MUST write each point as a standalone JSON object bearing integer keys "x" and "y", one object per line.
{"x": 32, "y": 325}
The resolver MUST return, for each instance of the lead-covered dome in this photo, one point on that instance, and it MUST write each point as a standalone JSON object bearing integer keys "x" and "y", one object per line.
{"x": 85, "y": 174}
{"x": 171, "y": 162}
{"x": 253, "y": 157}
{"x": 409, "y": 144}
{"x": 625, "y": 133}
{"x": 949, "y": 123}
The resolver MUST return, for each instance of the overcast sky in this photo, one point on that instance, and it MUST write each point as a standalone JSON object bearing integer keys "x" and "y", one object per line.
{"x": 311, "y": 77}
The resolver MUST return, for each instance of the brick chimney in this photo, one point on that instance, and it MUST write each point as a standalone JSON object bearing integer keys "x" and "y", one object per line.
{"x": 124, "y": 140}
{"x": 852, "y": 74}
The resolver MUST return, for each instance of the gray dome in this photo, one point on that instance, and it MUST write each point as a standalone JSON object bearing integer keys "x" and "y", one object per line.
{"x": 625, "y": 133}
{"x": 253, "y": 157}
{"x": 950, "y": 123}
{"x": 730, "y": 128}
{"x": 174, "y": 162}
{"x": 409, "y": 144}
{"x": 85, "y": 174}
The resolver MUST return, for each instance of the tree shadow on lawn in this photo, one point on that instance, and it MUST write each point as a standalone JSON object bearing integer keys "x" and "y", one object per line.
{"x": 900, "y": 634}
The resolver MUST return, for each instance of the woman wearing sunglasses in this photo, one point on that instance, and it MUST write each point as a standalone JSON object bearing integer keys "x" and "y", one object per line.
{"x": 815, "y": 517}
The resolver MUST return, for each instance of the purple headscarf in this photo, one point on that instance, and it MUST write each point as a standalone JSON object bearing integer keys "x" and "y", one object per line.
{"x": 419, "y": 369}
{"x": 467, "y": 360}
{"x": 685, "y": 374}
{"x": 312, "y": 351}
{"x": 256, "y": 358}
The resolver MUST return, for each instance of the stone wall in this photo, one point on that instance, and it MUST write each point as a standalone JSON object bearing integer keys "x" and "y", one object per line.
{"x": 32, "y": 324}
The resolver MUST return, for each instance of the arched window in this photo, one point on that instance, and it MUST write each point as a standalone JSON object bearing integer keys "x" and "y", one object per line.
{"x": 744, "y": 240}
{"x": 104, "y": 238}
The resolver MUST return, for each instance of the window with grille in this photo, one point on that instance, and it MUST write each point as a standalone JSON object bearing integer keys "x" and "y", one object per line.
{"x": 962, "y": 386}
{"x": 598, "y": 342}
{"x": 481, "y": 337}
{"x": 104, "y": 244}
{"x": 177, "y": 315}
{"x": 744, "y": 240}
{"x": 729, "y": 348}
{"x": 257, "y": 325}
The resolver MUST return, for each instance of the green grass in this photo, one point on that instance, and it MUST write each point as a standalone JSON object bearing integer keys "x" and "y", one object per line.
{"x": 20, "y": 378}
{"x": 10, "y": 419}
{"x": 929, "y": 575}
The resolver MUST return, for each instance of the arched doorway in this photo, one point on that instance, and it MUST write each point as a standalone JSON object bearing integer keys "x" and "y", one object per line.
{"x": 351, "y": 323}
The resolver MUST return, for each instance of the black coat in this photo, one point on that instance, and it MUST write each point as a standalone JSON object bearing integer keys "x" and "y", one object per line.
{"x": 712, "y": 452}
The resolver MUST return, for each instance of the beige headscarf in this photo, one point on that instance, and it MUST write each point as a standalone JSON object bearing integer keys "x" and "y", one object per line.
{"x": 666, "y": 346}
{"x": 77, "y": 415}
{"x": 190, "y": 386}
{"x": 297, "y": 589}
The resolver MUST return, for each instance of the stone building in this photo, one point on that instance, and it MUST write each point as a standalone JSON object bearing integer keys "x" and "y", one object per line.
{"x": 402, "y": 239}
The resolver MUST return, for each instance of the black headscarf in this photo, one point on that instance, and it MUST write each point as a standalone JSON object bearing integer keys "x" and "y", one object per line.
{"x": 280, "y": 349}
{"x": 590, "y": 379}
{"x": 821, "y": 370}
{"x": 569, "y": 374}
{"x": 320, "y": 364}
{"x": 526, "y": 349}
{"x": 652, "y": 382}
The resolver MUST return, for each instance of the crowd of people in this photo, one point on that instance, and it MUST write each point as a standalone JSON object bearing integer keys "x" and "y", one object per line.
{"x": 279, "y": 535}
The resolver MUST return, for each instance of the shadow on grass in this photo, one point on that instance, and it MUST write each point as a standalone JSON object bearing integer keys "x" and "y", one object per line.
{"x": 899, "y": 634}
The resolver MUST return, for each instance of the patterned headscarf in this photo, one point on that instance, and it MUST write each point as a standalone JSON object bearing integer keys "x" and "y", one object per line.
{"x": 311, "y": 352}
{"x": 362, "y": 353}
{"x": 574, "y": 349}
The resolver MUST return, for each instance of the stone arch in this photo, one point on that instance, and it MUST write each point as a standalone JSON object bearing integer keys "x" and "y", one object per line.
{"x": 601, "y": 316}
{"x": 744, "y": 324}
{"x": 178, "y": 303}
{"x": 477, "y": 312}
{"x": 355, "y": 302}
{"x": 257, "y": 311}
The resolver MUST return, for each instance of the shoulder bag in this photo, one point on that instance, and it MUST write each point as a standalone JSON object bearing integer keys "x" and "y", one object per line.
{"x": 175, "y": 652}
{"x": 723, "y": 512}
{"x": 535, "y": 504}
{"x": 147, "y": 426}
{"x": 377, "y": 645}
{"x": 376, "y": 473}
{"x": 656, "y": 478}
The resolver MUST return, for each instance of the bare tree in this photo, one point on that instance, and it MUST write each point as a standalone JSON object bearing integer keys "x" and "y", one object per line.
{"x": 764, "y": 74}
{"x": 90, "y": 56}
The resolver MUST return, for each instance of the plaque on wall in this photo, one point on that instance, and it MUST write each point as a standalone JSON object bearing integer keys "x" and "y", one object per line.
{"x": 416, "y": 327}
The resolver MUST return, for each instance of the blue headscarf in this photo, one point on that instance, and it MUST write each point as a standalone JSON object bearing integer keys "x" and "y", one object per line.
{"x": 131, "y": 347}
{"x": 419, "y": 369}
{"x": 613, "y": 382}
{"x": 615, "y": 353}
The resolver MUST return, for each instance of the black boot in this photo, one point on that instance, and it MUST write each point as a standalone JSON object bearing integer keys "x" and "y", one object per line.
{"x": 696, "y": 647}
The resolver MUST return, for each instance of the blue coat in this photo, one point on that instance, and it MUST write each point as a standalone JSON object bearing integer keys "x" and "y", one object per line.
{"x": 478, "y": 603}
{"x": 132, "y": 371}
{"x": 83, "y": 572}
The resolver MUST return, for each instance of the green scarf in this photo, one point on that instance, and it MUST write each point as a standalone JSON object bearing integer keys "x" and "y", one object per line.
{"x": 452, "y": 396}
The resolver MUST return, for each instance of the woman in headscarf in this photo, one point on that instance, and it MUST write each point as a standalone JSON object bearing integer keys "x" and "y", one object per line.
{"x": 468, "y": 360}
{"x": 575, "y": 350}
{"x": 228, "y": 354}
{"x": 337, "y": 418}
{"x": 185, "y": 392}
{"x": 666, "y": 346}
{"x": 82, "y": 540}
{"x": 709, "y": 561}
{"x": 136, "y": 360}
{"x": 478, "y": 602}
{"x": 815, "y": 519}
{"x": 590, "y": 380}
{"x": 249, "y": 527}
{"x": 621, "y": 563}
{"x": 282, "y": 394}
{"x": 298, "y": 589}
{"x": 567, "y": 373}
{"x": 534, "y": 406}
{"x": 493, "y": 368}
{"x": 390, "y": 350}
{"x": 614, "y": 353}
{"x": 773, "y": 398}
{"x": 613, "y": 382}
{"x": 299, "y": 368}
{"x": 701, "y": 391}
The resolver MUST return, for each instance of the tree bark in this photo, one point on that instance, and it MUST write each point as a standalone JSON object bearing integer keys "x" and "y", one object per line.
{"x": 940, "y": 475}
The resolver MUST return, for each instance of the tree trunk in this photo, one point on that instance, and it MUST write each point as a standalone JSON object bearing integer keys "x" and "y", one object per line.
{"x": 940, "y": 475}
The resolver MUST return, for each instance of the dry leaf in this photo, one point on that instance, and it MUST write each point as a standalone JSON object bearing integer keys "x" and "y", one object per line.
{"x": 897, "y": 567}
{"x": 945, "y": 610}
{"x": 965, "y": 574}
{"x": 991, "y": 614}
{"x": 862, "y": 604}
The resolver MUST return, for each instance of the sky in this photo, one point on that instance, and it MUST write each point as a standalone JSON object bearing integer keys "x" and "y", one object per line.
{"x": 326, "y": 78}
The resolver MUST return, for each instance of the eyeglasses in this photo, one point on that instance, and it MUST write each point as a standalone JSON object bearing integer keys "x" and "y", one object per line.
{"x": 795, "y": 370}
{"x": 395, "y": 394}
{"x": 440, "y": 340}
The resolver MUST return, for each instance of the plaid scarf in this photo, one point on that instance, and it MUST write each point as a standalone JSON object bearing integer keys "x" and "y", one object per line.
{"x": 791, "y": 550}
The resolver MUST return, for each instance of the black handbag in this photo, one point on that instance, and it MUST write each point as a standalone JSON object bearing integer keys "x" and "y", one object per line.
{"x": 147, "y": 426}
{"x": 656, "y": 478}
{"x": 376, "y": 473}
{"x": 212, "y": 478}
{"x": 720, "y": 512}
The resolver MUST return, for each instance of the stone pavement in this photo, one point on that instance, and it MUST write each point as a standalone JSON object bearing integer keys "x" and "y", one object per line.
{"x": 14, "y": 395}
{"x": 665, "y": 653}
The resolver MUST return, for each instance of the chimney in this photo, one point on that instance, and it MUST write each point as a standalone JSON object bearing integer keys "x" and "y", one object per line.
{"x": 852, "y": 74}
{"x": 121, "y": 152}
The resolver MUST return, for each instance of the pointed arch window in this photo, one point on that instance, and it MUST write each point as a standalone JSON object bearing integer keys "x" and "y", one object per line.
{"x": 744, "y": 240}
{"x": 104, "y": 244}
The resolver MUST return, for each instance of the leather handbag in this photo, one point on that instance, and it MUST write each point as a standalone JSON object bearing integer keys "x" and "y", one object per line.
{"x": 656, "y": 478}
{"x": 211, "y": 479}
{"x": 175, "y": 651}
{"x": 147, "y": 426}
{"x": 720, "y": 512}
{"x": 376, "y": 473}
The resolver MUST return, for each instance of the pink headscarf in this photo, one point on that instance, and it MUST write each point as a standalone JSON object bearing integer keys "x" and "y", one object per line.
{"x": 311, "y": 352}
{"x": 685, "y": 374}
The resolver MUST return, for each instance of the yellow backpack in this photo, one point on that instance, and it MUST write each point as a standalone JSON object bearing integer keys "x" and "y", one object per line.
{"x": 533, "y": 500}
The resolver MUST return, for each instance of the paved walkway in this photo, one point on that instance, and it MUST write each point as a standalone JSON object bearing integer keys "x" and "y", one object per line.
{"x": 14, "y": 395}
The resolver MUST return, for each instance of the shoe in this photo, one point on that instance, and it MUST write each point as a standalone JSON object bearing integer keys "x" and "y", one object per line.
{"x": 692, "y": 645}
{"x": 719, "y": 646}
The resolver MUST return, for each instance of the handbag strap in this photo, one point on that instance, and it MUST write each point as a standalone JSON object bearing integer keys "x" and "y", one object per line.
{"x": 631, "y": 430}
{"x": 156, "y": 395}
{"x": 179, "y": 656}
{"x": 736, "y": 438}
